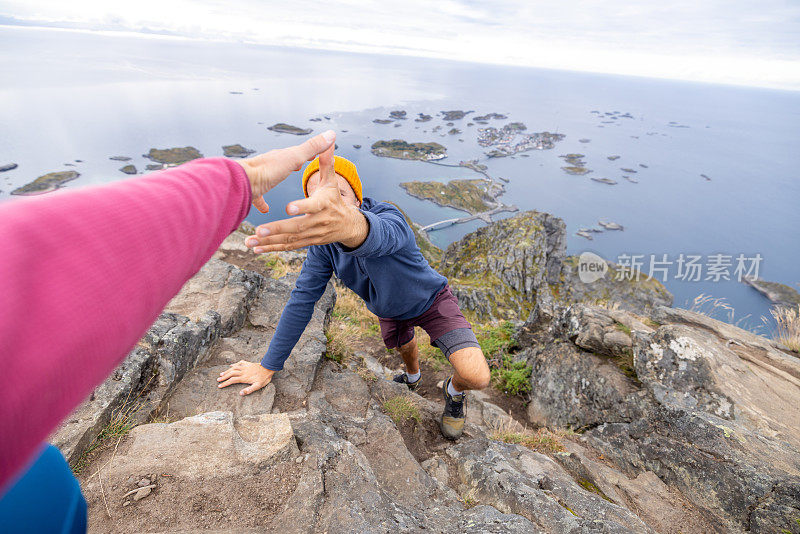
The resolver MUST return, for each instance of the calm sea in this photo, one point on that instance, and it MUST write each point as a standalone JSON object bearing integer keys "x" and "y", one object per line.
{"x": 69, "y": 95}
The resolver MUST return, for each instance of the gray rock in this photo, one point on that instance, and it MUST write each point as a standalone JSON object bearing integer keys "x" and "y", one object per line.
{"x": 516, "y": 480}
{"x": 221, "y": 287}
{"x": 710, "y": 410}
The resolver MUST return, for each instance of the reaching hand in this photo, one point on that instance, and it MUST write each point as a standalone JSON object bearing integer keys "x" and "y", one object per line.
{"x": 243, "y": 372}
{"x": 267, "y": 170}
{"x": 323, "y": 218}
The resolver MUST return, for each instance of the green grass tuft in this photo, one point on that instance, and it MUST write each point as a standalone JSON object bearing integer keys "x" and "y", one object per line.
{"x": 402, "y": 408}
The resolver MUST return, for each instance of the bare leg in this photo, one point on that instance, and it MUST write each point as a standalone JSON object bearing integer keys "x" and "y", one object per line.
{"x": 470, "y": 370}
{"x": 410, "y": 356}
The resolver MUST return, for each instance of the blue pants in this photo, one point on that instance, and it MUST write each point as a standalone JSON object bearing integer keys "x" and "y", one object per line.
{"x": 47, "y": 498}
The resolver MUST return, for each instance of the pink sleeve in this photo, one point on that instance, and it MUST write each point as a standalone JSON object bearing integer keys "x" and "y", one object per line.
{"x": 83, "y": 275}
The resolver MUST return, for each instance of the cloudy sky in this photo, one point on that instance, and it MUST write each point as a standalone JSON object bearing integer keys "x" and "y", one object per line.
{"x": 722, "y": 41}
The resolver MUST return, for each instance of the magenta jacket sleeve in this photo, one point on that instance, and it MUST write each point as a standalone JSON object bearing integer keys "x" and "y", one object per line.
{"x": 83, "y": 275}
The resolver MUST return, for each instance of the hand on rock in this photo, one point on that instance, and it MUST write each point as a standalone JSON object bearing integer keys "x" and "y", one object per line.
{"x": 267, "y": 170}
{"x": 243, "y": 372}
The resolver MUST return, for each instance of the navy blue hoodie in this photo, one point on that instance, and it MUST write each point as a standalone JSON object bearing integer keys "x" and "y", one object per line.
{"x": 388, "y": 271}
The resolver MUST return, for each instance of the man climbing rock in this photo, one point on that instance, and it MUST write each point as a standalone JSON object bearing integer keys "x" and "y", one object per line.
{"x": 370, "y": 247}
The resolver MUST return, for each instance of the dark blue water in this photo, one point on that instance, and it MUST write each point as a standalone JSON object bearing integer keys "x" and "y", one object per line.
{"x": 68, "y": 95}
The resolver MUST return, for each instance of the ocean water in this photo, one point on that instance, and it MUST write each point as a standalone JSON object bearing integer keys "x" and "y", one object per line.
{"x": 69, "y": 95}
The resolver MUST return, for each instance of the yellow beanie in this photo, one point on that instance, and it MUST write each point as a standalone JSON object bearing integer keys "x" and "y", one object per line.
{"x": 341, "y": 166}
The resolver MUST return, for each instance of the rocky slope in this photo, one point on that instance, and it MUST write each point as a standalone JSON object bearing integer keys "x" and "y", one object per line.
{"x": 684, "y": 423}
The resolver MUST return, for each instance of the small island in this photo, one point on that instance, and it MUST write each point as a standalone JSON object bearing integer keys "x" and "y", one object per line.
{"x": 154, "y": 166}
{"x": 777, "y": 293}
{"x": 8, "y": 167}
{"x": 454, "y": 115}
{"x": 398, "y": 114}
{"x": 607, "y": 181}
{"x": 576, "y": 170}
{"x": 627, "y": 170}
{"x": 45, "y": 184}
{"x": 289, "y": 129}
{"x": 382, "y": 121}
{"x": 611, "y": 225}
{"x": 613, "y": 158}
{"x": 574, "y": 159}
{"x": 473, "y": 196}
{"x": 576, "y": 165}
{"x": 488, "y": 116}
{"x": 128, "y": 169}
{"x": 173, "y": 156}
{"x": 397, "y": 148}
{"x": 421, "y": 117}
{"x": 119, "y": 158}
{"x": 236, "y": 151}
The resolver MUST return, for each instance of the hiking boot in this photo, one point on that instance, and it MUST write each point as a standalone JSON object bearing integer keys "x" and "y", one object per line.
{"x": 455, "y": 413}
{"x": 402, "y": 378}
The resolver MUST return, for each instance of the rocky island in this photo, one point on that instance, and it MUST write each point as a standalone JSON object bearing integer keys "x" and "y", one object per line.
{"x": 397, "y": 148}
{"x": 45, "y": 184}
{"x": 173, "y": 156}
{"x": 777, "y": 293}
{"x": 128, "y": 169}
{"x": 454, "y": 115}
{"x": 473, "y": 196}
{"x": 282, "y": 127}
{"x": 236, "y": 151}
{"x": 8, "y": 167}
{"x": 510, "y": 140}
{"x": 498, "y": 116}
{"x": 421, "y": 117}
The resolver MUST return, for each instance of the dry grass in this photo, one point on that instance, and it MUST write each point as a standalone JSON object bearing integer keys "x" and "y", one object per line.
{"x": 541, "y": 440}
{"x": 117, "y": 428}
{"x": 350, "y": 323}
{"x": 122, "y": 421}
{"x": 402, "y": 408}
{"x": 787, "y": 326}
{"x": 721, "y": 310}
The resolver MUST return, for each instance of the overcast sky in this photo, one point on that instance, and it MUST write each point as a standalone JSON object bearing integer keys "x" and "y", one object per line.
{"x": 727, "y": 41}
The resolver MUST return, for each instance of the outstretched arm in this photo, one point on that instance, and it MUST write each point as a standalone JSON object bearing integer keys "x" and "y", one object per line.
{"x": 310, "y": 286}
{"x": 85, "y": 272}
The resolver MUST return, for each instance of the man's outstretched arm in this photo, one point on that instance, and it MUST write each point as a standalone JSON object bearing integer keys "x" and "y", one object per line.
{"x": 310, "y": 286}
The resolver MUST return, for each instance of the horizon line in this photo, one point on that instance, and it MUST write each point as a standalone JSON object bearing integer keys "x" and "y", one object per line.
{"x": 361, "y": 49}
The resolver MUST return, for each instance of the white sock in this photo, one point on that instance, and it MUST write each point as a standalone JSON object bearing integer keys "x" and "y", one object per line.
{"x": 451, "y": 390}
{"x": 413, "y": 377}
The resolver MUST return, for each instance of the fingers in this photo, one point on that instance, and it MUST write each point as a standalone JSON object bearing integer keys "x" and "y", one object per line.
{"x": 232, "y": 380}
{"x": 312, "y": 204}
{"x": 254, "y": 387}
{"x": 266, "y": 232}
{"x": 261, "y": 205}
{"x": 316, "y": 145}
{"x": 326, "y": 172}
{"x": 281, "y": 247}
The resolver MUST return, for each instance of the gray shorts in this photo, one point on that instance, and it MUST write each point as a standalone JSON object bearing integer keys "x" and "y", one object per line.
{"x": 457, "y": 339}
